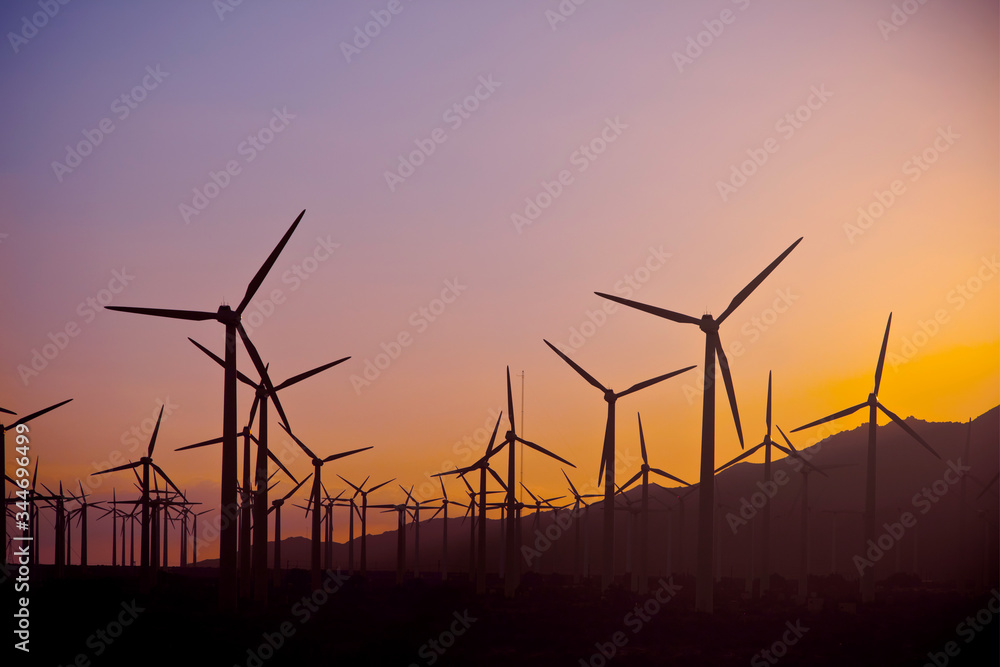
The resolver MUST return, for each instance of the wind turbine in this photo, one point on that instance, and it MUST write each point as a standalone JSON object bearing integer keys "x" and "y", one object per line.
{"x": 276, "y": 508}
{"x": 416, "y": 527}
{"x": 231, "y": 320}
{"x": 644, "y": 517}
{"x": 146, "y": 462}
{"x": 364, "y": 516}
{"x": 578, "y": 498}
{"x": 765, "y": 533}
{"x": 444, "y": 527}
{"x": 608, "y": 457}
{"x": 265, "y": 390}
{"x": 3, "y": 451}
{"x": 483, "y": 466}
{"x": 315, "y": 498}
{"x": 704, "y": 601}
{"x": 512, "y": 574}
{"x": 539, "y": 504}
{"x": 873, "y": 405}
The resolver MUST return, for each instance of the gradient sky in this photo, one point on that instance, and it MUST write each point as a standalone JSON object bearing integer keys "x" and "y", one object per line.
{"x": 889, "y": 95}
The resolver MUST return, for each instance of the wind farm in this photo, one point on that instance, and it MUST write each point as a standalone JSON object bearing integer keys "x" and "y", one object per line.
{"x": 387, "y": 209}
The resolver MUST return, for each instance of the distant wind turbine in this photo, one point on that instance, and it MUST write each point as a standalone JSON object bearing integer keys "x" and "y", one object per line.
{"x": 704, "y": 601}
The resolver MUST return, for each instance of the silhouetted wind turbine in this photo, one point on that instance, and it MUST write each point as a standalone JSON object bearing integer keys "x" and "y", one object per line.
{"x": 512, "y": 574}
{"x": 644, "y": 517}
{"x": 873, "y": 405}
{"x": 265, "y": 390}
{"x": 765, "y": 533}
{"x": 316, "y": 498}
{"x": 364, "y": 516}
{"x": 483, "y": 466}
{"x": 713, "y": 349}
{"x": 578, "y": 498}
{"x": 231, "y": 320}
{"x": 416, "y": 528}
{"x": 3, "y": 451}
{"x": 276, "y": 508}
{"x": 608, "y": 457}
{"x": 444, "y": 527}
{"x": 146, "y": 462}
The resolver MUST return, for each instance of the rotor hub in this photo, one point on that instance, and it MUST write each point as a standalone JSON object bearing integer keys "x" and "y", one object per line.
{"x": 708, "y": 324}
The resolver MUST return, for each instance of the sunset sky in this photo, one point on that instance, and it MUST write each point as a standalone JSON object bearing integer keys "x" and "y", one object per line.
{"x": 611, "y": 149}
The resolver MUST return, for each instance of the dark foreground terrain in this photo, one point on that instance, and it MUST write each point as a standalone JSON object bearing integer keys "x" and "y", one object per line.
{"x": 100, "y": 619}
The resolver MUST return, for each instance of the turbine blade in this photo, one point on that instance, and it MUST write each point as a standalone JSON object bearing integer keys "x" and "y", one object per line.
{"x": 881, "y": 356}
{"x": 543, "y": 451}
{"x": 667, "y": 475}
{"x": 533, "y": 497}
{"x": 647, "y": 383}
{"x": 739, "y": 458}
{"x": 498, "y": 479}
{"x": 297, "y": 486}
{"x": 334, "y": 457}
{"x": 268, "y": 263}
{"x": 378, "y": 486}
{"x": 746, "y": 291}
{"x": 572, "y": 488}
{"x": 164, "y": 475}
{"x": 642, "y": 442}
{"x": 586, "y": 376}
{"x": 905, "y": 427}
{"x": 510, "y": 404}
{"x": 728, "y": 379}
{"x": 156, "y": 429}
{"x": 653, "y": 310}
{"x": 22, "y": 420}
{"x": 242, "y": 378}
{"x": 356, "y": 489}
{"x": 262, "y": 371}
{"x": 631, "y": 481}
{"x": 300, "y": 443}
{"x": 122, "y": 467}
{"x": 835, "y": 415}
{"x": 794, "y": 452}
{"x": 308, "y": 374}
{"x": 769, "y": 405}
{"x": 278, "y": 463}
{"x": 213, "y": 441}
{"x": 6, "y": 411}
{"x": 489, "y": 447}
{"x": 195, "y": 315}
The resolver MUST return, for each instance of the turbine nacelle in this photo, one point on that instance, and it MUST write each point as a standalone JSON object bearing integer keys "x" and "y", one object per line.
{"x": 708, "y": 324}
